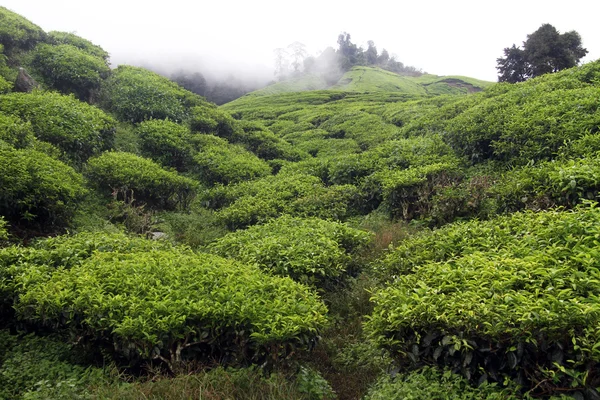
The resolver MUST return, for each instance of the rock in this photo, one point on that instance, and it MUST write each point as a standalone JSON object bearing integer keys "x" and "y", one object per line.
{"x": 25, "y": 83}
{"x": 157, "y": 235}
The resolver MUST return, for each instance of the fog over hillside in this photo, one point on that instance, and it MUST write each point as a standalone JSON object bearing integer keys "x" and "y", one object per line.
{"x": 458, "y": 38}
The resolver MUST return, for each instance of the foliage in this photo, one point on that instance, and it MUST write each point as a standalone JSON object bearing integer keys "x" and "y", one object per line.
{"x": 72, "y": 39}
{"x": 196, "y": 228}
{"x": 407, "y": 193}
{"x": 512, "y": 297}
{"x": 313, "y": 385}
{"x": 69, "y": 69}
{"x": 248, "y": 203}
{"x": 135, "y": 94}
{"x": 172, "y": 305}
{"x": 167, "y": 143}
{"x": 3, "y": 232}
{"x": 544, "y": 51}
{"x": 428, "y": 383}
{"x": 265, "y": 144}
{"x": 76, "y": 128}
{"x": 34, "y": 367}
{"x": 308, "y": 250}
{"x": 524, "y": 124}
{"x": 211, "y": 120}
{"x": 17, "y": 32}
{"x": 126, "y": 176}
{"x": 16, "y": 132}
{"x": 217, "y": 161}
{"x": 36, "y": 189}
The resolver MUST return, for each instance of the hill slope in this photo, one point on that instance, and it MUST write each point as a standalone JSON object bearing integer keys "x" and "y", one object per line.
{"x": 374, "y": 79}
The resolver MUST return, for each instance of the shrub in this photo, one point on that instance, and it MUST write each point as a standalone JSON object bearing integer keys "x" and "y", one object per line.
{"x": 217, "y": 161}
{"x": 3, "y": 232}
{"x": 524, "y": 124}
{"x": 265, "y": 144}
{"x": 511, "y": 297}
{"x": 69, "y": 69}
{"x": 37, "y": 367}
{"x": 407, "y": 193}
{"x": 172, "y": 305}
{"x": 428, "y": 383}
{"x": 308, "y": 250}
{"x": 5, "y": 86}
{"x": 167, "y": 143}
{"x": 210, "y": 120}
{"x": 249, "y": 203}
{"x": 76, "y": 128}
{"x": 126, "y": 176}
{"x": 135, "y": 94}
{"x": 83, "y": 44}
{"x": 17, "y": 32}
{"x": 36, "y": 189}
{"x": 15, "y": 131}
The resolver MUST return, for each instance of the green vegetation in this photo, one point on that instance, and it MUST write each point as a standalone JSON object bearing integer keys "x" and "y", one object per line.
{"x": 76, "y": 128}
{"x": 360, "y": 230}
{"x": 308, "y": 250}
{"x": 128, "y": 177}
{"x": 69, "y": 69}
{"x": 72, "y": 39}
{"x": 37, "y": 190}
{"x": 17, "y": 33}
{"x": 135, "y": 94}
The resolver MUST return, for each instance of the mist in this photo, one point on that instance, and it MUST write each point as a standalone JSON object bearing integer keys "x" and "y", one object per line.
{"x": 236, "y": 38}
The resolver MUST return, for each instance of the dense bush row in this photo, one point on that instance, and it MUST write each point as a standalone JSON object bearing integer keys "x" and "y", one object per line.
{"x": 37, "y": 190}
{"x": 513, "y": 297}
{"x": 248, "y": 203}
{"x": 128, "y": 177}
{"x": 135, "y": 94}
{"x": 76, "y": 128}
{"x": 69, "y": 69}
{"x": 146, "y": 302}
{"x": 308, "y": 250}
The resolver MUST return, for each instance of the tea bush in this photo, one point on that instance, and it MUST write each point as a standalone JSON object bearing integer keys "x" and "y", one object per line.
{"x": 17, "y": 32}
{"x": 210, "y": 120}
{"x": 172, "y": 305}
{"x": 33, "y": 367}
{"x": 128, "y": 177}
{"x": 407, "y": 193}
{"x": 265, "y": 144}
{"x": 16, "y": 132}
{"x": 428, "y": 383}
{"x": 308, "y": 250}
{"x": 167, "y": 143}
{"x": 511, "y": 297}
{"x": 217, "y": 161}
{"x": 37, "y": 190}
{"x": 72, "y": 39}
{"x": 135, "y": 94}
{"x": 76, "y": 128}
{"x": 525, "y": 124}
{"x": 69, "y": 69}
{"x": 248, "y": 203}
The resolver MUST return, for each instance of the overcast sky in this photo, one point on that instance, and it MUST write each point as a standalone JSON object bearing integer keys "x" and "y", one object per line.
{"x": 461, "y": 37}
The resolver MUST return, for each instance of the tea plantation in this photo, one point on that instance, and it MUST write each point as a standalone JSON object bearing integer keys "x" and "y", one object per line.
{"x": 384, "y": 236}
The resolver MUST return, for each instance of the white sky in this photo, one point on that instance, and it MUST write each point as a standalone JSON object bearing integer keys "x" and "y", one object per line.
{"x": 461, "y": 37}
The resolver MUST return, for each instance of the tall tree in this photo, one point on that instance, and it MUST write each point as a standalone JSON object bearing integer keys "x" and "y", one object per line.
{"x": 545, "y": 50}
{"x": 514, "y": 66}
{"x": 298, "y": 53}
{"x": 371, "y": 53}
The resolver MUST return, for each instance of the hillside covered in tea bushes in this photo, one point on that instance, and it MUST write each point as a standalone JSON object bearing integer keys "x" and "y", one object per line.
{"x": 385, "y": 237}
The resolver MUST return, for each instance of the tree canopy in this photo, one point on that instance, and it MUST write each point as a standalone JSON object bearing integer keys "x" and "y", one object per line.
{"x": 545, "y": 51}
